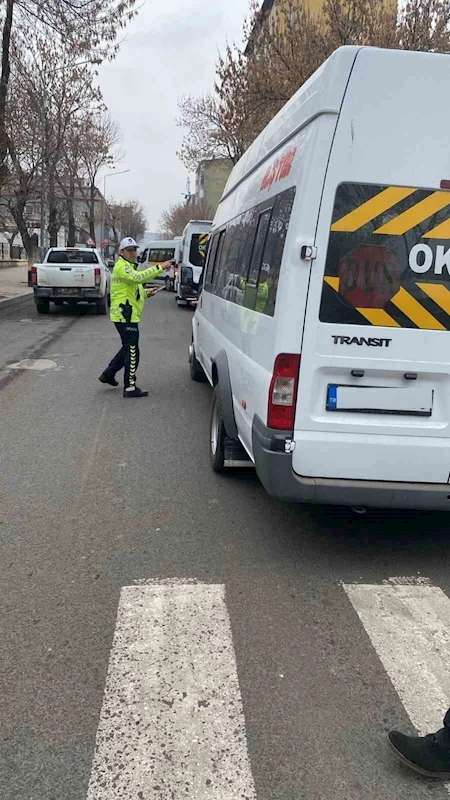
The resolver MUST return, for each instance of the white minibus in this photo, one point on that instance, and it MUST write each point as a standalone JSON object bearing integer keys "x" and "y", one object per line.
{"x": 323, "y": 323}
{"x": 159, "y": 251}
{"x": 194, "y": 242}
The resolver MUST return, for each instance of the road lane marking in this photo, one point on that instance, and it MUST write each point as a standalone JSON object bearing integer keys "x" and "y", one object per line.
{"x": 409, "y": 627}
{"x": 172, "y": 723}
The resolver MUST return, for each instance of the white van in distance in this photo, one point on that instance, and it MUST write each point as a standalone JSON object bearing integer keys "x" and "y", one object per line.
{"x": 194, "y": 243}
{"x": 324, "y": 320}
{"x": 159, "y": 251}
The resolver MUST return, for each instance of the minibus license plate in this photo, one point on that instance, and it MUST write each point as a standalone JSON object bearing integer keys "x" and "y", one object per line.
{"x": 380, "y": 400}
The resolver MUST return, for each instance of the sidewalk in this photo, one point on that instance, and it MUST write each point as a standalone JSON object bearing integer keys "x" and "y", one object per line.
{"x": 13, "y": 283}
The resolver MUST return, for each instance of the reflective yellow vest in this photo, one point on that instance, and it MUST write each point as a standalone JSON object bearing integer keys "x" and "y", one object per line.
{"x": 262, "y": 295}
{"x": 127, "y": 294}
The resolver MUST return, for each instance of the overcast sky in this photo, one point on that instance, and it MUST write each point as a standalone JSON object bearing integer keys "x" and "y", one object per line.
{"x": 170, "y": 49}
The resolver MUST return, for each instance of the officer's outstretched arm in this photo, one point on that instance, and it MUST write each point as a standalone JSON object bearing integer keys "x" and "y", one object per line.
{"x": 142, "y": 276}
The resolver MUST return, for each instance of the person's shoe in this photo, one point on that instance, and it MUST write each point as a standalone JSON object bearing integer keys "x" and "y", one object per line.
{"x": 107, "y": 379}
{"x": 134, "y": 392}
{"x": 429, "y": 755}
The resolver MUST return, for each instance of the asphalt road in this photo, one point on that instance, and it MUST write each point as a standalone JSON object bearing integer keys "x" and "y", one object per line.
{"x": 98, "y": 493}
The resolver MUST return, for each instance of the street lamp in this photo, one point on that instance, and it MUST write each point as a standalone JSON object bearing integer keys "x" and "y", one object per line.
{"x": 43, "y": 237}
{"x": 109, "y": 175}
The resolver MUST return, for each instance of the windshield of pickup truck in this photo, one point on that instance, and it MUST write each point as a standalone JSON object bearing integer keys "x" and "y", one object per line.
{"x": 72, "y": 257}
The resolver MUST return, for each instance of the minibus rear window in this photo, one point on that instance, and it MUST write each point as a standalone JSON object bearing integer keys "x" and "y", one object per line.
{"x": 388, "y": 258}
{"x": 197, "y": 250}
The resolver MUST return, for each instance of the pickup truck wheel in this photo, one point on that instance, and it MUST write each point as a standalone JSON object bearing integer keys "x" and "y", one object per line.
{"x": 42, "y": 306}
{"x": 109, "y": 300}
{"x": 102, "y": 307}
{"x": 168, "y": 284}
{"x": 217, "y": 436}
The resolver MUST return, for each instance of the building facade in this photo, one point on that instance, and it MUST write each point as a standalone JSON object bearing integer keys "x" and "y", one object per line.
{"x": 210, "y": 179}
{"x": 270, "y": 10}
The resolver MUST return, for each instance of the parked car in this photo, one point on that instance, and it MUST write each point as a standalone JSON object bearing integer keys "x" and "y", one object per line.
{"x": 329, "y": 356}
{"x": 71, "y": 275}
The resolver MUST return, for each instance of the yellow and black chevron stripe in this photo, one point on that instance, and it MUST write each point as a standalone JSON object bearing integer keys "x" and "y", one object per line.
{"x": 409, "y": 309}
{"x": 397, "y": 218}
{"x": 402, "y": 221}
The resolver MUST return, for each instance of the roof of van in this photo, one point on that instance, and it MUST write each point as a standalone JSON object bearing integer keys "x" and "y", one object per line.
{"x": 321, "y": 94}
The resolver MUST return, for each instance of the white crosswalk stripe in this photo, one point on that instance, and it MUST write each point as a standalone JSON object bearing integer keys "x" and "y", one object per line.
{"x": 409, "y": 627}
{"x": 172, "y": 722}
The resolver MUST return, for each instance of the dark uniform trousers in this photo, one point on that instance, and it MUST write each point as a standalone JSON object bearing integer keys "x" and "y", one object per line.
{"x": 128, "y": 355}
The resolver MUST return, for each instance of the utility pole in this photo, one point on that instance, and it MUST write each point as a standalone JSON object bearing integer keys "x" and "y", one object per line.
{"x": 43, "y": 237}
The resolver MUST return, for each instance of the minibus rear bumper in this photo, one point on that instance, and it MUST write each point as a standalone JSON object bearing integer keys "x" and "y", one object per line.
{"x": 274, "y": 469}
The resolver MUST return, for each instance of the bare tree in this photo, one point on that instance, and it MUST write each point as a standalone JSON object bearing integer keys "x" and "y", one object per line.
{"x": 100, "y": 136}
{"x": 173, "y": 221}
{"x": 54, "y": 94}
{"x": 86, "y": 29}
{"x": 424, "y": 25}
{"x": 281, "y": 51}
{"x": 129, "y": 217}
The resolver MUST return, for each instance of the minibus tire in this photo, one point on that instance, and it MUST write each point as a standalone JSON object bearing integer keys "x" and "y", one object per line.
{"x": 196, "y": 369}
{"x": 217, "y": 436}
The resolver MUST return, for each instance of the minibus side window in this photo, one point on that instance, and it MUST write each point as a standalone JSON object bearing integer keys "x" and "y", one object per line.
{"x": 250, "y": 298}
{"x": 216, "y": 264}
{"x": 220, "y": 272}
{"x": 269, "y": 272}
{"x": 248, "y": 225}
{"x": 209, "y": 267}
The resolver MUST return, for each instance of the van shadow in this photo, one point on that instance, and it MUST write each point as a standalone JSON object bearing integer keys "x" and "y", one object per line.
{"x": 381, "y": 538}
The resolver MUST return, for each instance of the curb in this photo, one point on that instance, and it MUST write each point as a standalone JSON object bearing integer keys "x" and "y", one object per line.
{"x": 14, "y": 302}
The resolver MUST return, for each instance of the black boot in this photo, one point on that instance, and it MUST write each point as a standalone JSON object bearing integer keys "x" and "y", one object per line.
{"x": 108, "y": 379}
{"x": 429, "y": 755}
{"x": 134, "y": 392}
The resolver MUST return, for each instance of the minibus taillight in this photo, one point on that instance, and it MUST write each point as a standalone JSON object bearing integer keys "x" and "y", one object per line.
{"x": 283, "y": 392}
{"x": 97, "y": 276}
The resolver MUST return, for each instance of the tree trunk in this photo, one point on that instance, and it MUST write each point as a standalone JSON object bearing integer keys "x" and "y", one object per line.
{"x": 4, "y": 83}
{"x": 11, "y": 238}
{"x": 29, "y": 242}
{"x": 72, "y": 231}
{"x": 92, "y": 212}
{"x": 53, "y": 225}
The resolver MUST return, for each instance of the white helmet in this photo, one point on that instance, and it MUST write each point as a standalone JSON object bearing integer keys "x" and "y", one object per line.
{"x": 127, "y": 242}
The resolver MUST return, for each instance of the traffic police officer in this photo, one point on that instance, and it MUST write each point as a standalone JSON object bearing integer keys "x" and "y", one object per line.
{"x": 127, "y": 302}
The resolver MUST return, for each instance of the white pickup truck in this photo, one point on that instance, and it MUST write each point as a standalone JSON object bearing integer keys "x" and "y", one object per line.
{"x": 71, "y": 275}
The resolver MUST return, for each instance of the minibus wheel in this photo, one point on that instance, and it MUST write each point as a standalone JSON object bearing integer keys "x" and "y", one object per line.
{"x": 217, "y": 435}
{"x": 195, "y": 368}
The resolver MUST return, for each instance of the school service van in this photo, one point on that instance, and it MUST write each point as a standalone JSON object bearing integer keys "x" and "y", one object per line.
{"x": 159, "y": 251}
{"x": 324, "y": 320}
{"x": 193, "y": 248}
